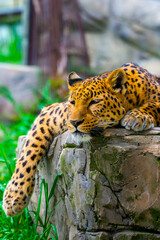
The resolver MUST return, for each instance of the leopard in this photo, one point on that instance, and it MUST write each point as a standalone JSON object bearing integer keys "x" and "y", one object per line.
{"x": 128, "y": 96}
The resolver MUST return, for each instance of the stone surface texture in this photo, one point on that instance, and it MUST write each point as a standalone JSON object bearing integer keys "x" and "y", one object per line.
{"x": 109, "y": 188}
{"x": 21, "y": 81}
{"x": 118, "y": 32}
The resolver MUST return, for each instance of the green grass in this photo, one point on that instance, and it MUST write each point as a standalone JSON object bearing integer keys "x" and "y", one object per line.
{"x": 10, "y": 43}
{"x": 47, "y": 228}
{"x": 22, "y": 226}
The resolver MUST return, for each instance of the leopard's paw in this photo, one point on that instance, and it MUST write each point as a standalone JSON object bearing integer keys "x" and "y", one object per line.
{"x": 137, "y": 121}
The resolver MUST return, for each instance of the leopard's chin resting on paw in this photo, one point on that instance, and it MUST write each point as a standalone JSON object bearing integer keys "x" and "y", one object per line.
{"x": 130, "y": 95}
{"x": 80, "y": 137}
{"x": 86, "y": 137}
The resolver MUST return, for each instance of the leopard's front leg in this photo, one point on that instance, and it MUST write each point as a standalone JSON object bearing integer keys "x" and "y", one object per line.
{"x": 145, "y": 117}
{"x": 51, "y": 122}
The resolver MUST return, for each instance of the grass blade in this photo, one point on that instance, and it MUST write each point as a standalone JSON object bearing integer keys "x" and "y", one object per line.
{"x": 5, "y": 92}
{"x": 39, "y": 205}
{"x": 55, "y": 232}
{"x": 53, "y": 210}
{"x": 39, "y": 219}
{"x": 3, "y": 128}
{"x": 47, "y": 202}
{"x": 52, "y": 237}
{"x": 46, "y": 195}
{"x": 47, "y": 230}
{"x": 7, "y": 163}
{"x": 54, "y": 186}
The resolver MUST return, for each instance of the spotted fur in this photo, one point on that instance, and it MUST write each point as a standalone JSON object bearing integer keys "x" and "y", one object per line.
{"x": 129, "y": 95}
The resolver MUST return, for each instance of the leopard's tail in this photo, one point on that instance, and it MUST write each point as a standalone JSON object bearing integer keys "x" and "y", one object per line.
{"x": 19, "y": 189}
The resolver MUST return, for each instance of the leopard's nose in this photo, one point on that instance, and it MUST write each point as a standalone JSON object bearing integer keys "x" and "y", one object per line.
{"x": 76, "y": 123}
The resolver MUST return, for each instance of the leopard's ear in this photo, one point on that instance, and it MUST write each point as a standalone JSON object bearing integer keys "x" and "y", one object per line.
{"x": 116, "y": 79}
{"x": 74, "y": 81}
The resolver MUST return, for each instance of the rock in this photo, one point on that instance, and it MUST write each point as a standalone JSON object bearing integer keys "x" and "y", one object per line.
{"x": 21, "y": 82}
{"x": 94, "y": 16}
{"x": 136, "y": 35}
{"x": 108, "y": 52}
{"x": 129, "y": 235}
{"x": 117, "y": 33}
{"x": 110, "y": 185}
{"x": 91, "y": 236}
{"x": 138, "y": 23}
{"x": 136, "y": 11}
{"x": 152, "y": 65}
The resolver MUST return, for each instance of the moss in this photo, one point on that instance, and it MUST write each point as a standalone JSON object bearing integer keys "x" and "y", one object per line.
{"x": 63, "y": 163}
{"x": 114, "y": 160}
{"x": 138, "y": 236}
{"x": 71, "y": 198}
{"x": 144, "y": 237}
{"x": 93, "y": 165}
{"x": 71, "y": 145}
{"x": 123, "y": 237}
{"x": 130, "y": 199}
{"x": 97, "y": 218}
{"x": 119, "y": 176}
{"x": 66, "y": 168}
{"x": 155, "y": 217}
{"x": 89, "y": 195}
{"x": 158, "y": 159}
{"x": 139, "y": 217}
{"x": 110, "y": 154}
{"x": 93, "y": 174}
{"x": 99, "y": 142}
{"x": 143, "y": 217}
{"x": 137, "y": 196}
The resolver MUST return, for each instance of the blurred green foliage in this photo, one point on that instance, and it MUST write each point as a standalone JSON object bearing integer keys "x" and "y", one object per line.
{"x": 20, "y": 227}
{"x": 11, "y": 43}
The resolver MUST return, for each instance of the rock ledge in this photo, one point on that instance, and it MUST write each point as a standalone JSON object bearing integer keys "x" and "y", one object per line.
{"x": 109, "y": 187}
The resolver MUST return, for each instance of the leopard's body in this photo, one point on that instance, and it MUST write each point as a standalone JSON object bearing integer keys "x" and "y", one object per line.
{"x": 129, "y": 95}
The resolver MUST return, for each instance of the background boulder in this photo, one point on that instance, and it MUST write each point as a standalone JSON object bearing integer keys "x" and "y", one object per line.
{"x": 117, "y": 33}
{"x": 22, "y": 82}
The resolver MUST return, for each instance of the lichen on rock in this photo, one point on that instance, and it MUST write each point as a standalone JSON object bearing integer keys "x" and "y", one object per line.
{"x": 109, "y": 187}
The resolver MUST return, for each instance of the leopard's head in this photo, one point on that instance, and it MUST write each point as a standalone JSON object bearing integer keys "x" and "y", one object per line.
{"x": 95, "y": 103}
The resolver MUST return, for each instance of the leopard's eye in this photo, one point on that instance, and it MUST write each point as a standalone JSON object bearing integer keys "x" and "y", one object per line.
{"x": 72, "y": 102}
{"x": 95, "y": 101}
